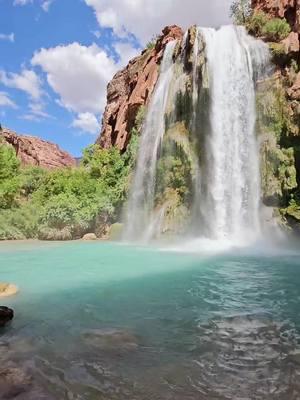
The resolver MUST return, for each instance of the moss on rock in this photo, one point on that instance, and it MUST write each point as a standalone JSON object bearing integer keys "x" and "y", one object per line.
{"x": 278, "y": 172}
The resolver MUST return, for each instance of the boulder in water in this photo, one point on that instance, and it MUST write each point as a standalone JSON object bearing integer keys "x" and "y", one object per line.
{"x": 90, "y": 236}
{"x": 6, "y": 315}
{"x": 8, "y": 289}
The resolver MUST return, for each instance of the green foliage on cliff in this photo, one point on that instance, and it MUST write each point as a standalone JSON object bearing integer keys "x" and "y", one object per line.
{"x": 276, "y": 29}
{"x": 256, "y": 22}
{"x": 152, "y": 43}
{"x": 272, "y": 29}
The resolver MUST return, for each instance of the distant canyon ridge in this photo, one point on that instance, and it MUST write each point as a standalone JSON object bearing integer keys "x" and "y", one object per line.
{"x": 34, "y": 151}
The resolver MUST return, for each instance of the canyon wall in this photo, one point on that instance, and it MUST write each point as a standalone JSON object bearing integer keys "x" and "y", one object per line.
{"x": 32, "y": 150}
{"x": 132, "y": 88}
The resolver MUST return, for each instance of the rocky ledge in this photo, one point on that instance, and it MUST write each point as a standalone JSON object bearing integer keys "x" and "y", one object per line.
{"x": 132, "y": 88}
{"x": 32, "y": 150}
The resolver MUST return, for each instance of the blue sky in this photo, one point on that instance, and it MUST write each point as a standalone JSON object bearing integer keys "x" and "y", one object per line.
{"x": 57, "y": 57}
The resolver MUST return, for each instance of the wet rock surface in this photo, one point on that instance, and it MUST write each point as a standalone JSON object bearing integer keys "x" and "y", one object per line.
{"x": 6, "y": 315}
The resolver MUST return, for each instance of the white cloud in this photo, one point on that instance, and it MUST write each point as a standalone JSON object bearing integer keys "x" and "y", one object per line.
{"x": 87, "y": 122}
{"x": 5, "y": 100}
{"x": 36, "y": 112}
{"x": 126, "y": 52}
{"x": 9, "y": 37}
{"x": 22, "y": 2}
{"x": 145, "y": 18}
{"x": 46, "y": 5}
{"x": 96, "y": 33}
{"x": 79, "y": 75}
{"x": 27, "y": 81}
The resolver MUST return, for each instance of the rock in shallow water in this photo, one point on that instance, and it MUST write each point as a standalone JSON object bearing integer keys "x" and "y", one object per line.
{"x": 6, "y": 315}
{"x": 13, "y": 382}
{"x": 8, "y": 289}
{"x": 111, "y": 339}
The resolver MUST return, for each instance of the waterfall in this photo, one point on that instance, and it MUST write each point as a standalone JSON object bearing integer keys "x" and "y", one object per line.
{"x": 221, "y": 139}
{"x": 141, "y": 202}
{"x": 231, "y": 203}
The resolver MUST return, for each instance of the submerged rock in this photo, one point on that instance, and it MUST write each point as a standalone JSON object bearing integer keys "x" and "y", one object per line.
{"x": 90, "y": 236}
{"x": 6, "y": 315}
{"x": 111, "y": 339}
{"x": 8, "y": 289}
{"x": 13, "y": 382}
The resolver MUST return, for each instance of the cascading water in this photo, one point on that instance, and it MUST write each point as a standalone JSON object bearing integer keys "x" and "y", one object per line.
{"x": 141, "y": 202}
{"x": 230, "y": 205}
{"x": 218, "y": 138}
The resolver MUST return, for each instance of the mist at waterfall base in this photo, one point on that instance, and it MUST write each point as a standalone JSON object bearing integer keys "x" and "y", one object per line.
{"x": 221, "y": 145}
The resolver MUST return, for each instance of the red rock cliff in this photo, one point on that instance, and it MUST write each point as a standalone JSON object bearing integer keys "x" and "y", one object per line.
{"x": 34, "y": 151}
{"x": 131, "y": 88}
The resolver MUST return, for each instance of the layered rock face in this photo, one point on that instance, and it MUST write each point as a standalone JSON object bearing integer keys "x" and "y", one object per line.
{"x": 130, "y": 89}
{"x": 35, "y": 151}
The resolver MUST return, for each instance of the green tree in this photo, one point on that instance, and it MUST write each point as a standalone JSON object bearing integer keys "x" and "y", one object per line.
{"x": 9, "y": 163}
{"x": 9, "y": 180}
{"x": 240, "y": 11}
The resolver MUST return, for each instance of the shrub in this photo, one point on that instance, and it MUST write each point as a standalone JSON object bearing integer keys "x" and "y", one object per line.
{"x": 152, "y": 43}
{"x": 72, "y": 200}
{"x": 9, "y": 189}
{"x": 19, "y": 223}
{"x": 276, "y": 29}
{"x": 255, "y": 24}
{"x": 30, "y": 179}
